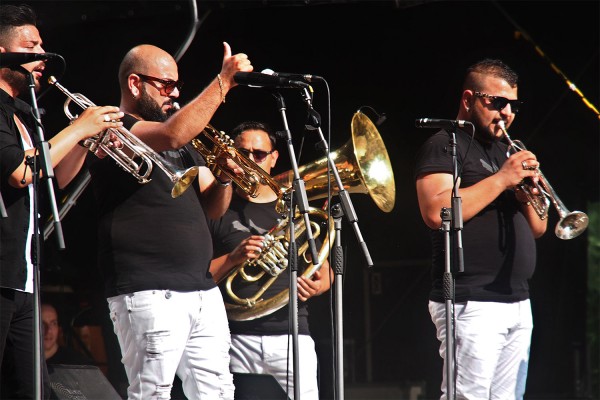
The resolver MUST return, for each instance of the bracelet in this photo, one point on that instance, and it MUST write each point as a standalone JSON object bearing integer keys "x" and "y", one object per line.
{"x": 526, "y": 203}
{"x": 224, "y": 184}
{"x": 221, "y": 88}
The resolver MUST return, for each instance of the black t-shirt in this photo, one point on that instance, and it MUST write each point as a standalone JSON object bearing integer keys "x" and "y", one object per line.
{"x": 499, "y": 247}
{"x": 147, "y": 239}
{"x": 244, "y": 219}
{"x": 68, "y": 356}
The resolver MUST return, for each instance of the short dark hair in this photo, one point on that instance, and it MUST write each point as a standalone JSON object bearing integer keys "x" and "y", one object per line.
{"x": 254, "y": 125}
{"x": 488, "y": 66}
{"x": 12, "y": 16}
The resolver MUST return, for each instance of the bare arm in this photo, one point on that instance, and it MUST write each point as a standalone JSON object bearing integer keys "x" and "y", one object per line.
{"x": 188, "y": 122}
{"x": 434, "y": 192}
{"x": 248, "y": 248}
{"x": 316, "y": 285}
{"x": 65, "y": 155}
{"x": 215, "y": 196}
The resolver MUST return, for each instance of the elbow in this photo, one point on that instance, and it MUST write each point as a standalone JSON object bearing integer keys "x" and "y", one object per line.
{"x": 18, "y": 183}
{"x": 215, "y": 212}
{"x": 433, "y": 221}
{"x": 539, "y": 232}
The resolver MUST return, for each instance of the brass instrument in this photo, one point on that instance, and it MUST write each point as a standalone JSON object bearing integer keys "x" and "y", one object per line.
{"x": 571, "y": 223}
{"x": 362, "y": 163}
{"x": 212, "y": 144}
{"x": 361, "y": 172}
{"x": 139, "y": 163}
{"x": 271, "y": 262}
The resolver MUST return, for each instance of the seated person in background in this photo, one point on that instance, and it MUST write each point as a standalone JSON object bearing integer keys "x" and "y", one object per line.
{"x": 54, "y": 352}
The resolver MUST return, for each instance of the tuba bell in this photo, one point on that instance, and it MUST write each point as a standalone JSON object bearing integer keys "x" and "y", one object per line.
{"x": 362, "y": 163}
{"x": 364, "y": 167}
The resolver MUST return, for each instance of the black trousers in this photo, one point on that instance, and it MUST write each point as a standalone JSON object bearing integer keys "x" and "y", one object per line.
{"x": 17, "y": 347}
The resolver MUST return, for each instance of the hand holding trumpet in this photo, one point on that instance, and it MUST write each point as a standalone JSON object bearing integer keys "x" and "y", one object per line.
{"x": 518, "y": 167}
{"x": 94, "y": 120}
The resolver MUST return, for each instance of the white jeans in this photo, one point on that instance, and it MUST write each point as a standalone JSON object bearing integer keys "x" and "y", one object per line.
{"x": 270, "y": 355}
{"x": 163, "y": 333}
{"x": 492, "y": 348}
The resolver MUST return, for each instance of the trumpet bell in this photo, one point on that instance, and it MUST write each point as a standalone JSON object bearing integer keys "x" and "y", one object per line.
{"x": 362, "y": 163}
{"x": 572, "y": 225}
{"x": 183, "y": 179}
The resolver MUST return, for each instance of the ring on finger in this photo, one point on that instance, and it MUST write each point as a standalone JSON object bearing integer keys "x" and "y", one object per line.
{"x": 524, "y": 164}
{"x": 106, "y": 118}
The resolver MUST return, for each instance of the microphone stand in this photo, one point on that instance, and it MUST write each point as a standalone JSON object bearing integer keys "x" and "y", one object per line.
{"x": 43, "y": 148}
{"x": 3, "y": 213}
{"x": 346, "y": 208}
{"x": 302, "y": 200}
{"x": 338, "y": 269}
{"x": 451, "y": 220}
{"x": 345, "y": 201}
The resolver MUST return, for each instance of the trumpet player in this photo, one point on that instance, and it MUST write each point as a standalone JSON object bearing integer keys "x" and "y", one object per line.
{"x": 262, "y": 345}
{"x": 492, "y": 311}
{"x": 155, "y": 250}
{"x": 18, "y": 145}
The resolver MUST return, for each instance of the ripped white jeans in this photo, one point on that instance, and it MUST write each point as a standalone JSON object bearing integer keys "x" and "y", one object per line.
{"x": 162, "y": 333}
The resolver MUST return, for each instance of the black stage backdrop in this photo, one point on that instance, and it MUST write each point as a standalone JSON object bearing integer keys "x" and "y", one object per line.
{"x": 405, "y": 59}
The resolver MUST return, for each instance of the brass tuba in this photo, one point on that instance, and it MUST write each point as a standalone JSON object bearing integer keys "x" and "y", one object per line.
{"x": 139, "y": 162}
{"x": 364, "y": 167}
{"x": 362, "y": 163}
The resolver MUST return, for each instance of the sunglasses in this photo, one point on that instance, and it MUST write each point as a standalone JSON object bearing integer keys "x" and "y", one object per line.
{"x": 259, "y": 155}
{"x": 168, "y": 85}
{"x": 500, "y": 102}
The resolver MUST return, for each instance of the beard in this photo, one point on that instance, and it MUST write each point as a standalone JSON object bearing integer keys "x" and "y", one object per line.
{"x": 149, "y": 109}
{"x": 18, "y": 80}
{"x": 483, "y": 132}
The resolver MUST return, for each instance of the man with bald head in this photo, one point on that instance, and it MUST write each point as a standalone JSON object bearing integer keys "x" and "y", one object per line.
{"x": 155, "y": 250}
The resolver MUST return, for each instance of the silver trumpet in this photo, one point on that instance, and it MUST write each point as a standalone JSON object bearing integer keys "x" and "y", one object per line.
{"x": 139, "y": 163}
{"x": 571, "y": 223}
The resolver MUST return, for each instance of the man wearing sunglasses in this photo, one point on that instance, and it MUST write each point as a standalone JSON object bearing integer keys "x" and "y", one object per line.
{"x": 155, "y": 250}
{"x": 263, "y": 345}
{"x": 491, "y": 306}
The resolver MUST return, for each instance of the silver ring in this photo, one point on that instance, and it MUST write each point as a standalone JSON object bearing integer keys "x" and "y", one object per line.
{"x": 524, "y": 165}
{"x": 106, "y": 118}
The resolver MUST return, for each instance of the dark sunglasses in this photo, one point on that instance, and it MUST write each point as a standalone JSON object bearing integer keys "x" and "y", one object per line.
{"x": 168, "y": 85}
{"x": 500, "y": 102}
{"x": 259, "y": 155}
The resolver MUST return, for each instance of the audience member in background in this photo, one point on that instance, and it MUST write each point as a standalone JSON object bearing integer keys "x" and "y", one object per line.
{"x": 54, "y": 351}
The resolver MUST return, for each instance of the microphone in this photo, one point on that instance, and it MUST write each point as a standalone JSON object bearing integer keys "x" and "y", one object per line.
{"x": 301, "y": 77}
{"x": 440, "y": 123}
{"x": 13, "y": 59}
{"x": 257, "y": 79}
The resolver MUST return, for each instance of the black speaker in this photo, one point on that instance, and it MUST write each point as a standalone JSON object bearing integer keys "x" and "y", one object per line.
{"x": 257, "y": 387}
{"x": 71, "y": 382}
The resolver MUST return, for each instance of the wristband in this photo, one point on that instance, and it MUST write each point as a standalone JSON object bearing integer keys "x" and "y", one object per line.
{"x": 224, "y": 184}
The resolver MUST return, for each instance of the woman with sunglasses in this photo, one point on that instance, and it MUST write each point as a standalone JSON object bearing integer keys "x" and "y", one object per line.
{"x": 491, "y": 306}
